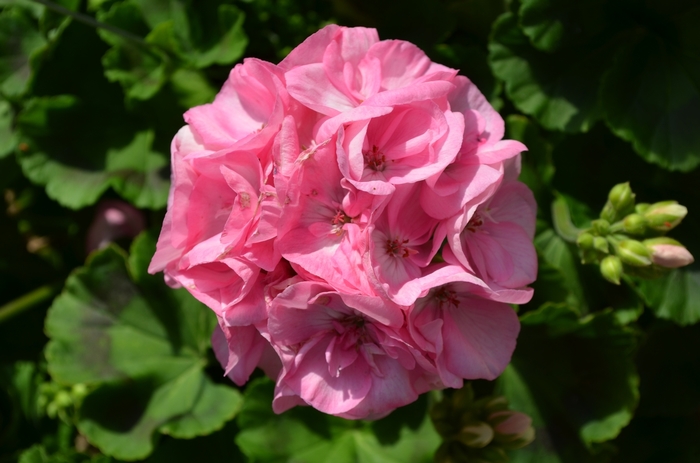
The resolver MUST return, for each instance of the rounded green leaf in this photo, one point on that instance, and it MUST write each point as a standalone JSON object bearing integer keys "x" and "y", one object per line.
{"x": 552, "y": 87}
{"x": 651, "y": 98}
{"x": 675, "y": 296}
{"x": 143, "y": 346}
{"x": 555, "y": 24}
{"x": 20, "y": 40}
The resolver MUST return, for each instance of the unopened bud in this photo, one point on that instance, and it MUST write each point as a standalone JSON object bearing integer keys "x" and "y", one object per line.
{"x": 620, "y": 203}
{"x": 496, "y": 404}
{"x": 601, "y": 226}
{"x": 601, "y": 244}
{"x": 512, "y": 428}
{"x": 621, "y": 197}
{"x": 634, "y": 253}
{"x": 668, "y": 253}
{"x": 634, "y": 224}
{"x": 585, "y": 241}
{"x": 665, "y": 215}
{"x": 476, "y": 435}
{"x": 611, "y": 269}
{"x": 641, "y": 208}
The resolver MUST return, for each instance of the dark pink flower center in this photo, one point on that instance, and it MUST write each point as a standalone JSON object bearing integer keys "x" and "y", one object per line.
{"x": 475, "y": 222}
{"x": 375, "y": 159}
{"x": 339, "y": 219}
{"x": 398, "y": 248}
{"x": 446, "y": 297}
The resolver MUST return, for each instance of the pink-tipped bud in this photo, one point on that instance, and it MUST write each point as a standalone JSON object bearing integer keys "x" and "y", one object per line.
{"x": 113, "y": 220}
{"x": 668, "y": 253}
{"x": 512, "y": 428}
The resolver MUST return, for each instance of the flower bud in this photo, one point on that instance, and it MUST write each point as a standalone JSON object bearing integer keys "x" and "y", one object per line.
{"x": 634, "y": 224}
{"x": 611, "y": 269}
{"x": 620, "y": 202}
{"x": 665, "y": 215}
{"x": 641, "y": 208}
{"x": 601, "y": 244}
{"x": 497, "y": 403}
{"x": 668, "y": 253}
{"x": 512, "y": 428}
{"x": 634, "y": 253}
{"x": 114, "y": 219}
{"x": 585, "y": 241}
{"x": 601, "y": 226}
{"x": 621, "y": 197}
{"x": 476, "y": 435}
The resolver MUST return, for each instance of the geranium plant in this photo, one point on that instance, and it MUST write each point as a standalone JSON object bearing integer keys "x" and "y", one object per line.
{"x": 311, "y": 231}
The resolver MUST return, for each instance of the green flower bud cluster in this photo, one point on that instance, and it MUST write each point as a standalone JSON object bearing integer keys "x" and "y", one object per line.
{"x": 479, "y": 431}
{"x": 60, "y": 401}
{"x": 629, "y": 238}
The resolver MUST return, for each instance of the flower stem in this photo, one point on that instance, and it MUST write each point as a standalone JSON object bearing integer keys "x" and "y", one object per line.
{"x": 28, "y": 301}
{"x": 92, "y": 22}
{"x": 561, "y": 218}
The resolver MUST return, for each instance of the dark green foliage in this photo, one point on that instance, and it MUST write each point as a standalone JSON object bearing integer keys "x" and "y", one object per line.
{"x": 101, "y": 362}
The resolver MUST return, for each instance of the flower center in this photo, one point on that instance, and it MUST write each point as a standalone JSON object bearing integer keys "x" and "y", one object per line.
{"x": 446, "y": 297}
{"x": 475, "y": 222}
{"x": 375, "y": 159}
{"x": 339, "y": 219}
{"x": 398, "y": 248}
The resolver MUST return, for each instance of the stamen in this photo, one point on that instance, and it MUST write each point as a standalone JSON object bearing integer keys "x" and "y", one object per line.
{"x": 398, "y": 248}
{"x": 375, "y": 159}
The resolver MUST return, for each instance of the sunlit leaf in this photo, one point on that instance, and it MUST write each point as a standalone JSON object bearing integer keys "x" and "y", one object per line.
{"x": 143, "y": 347}
{"x": 20, "y": 40}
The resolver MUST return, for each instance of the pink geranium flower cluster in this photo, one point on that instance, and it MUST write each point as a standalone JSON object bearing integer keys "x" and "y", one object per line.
{"x": 353, "y": 218}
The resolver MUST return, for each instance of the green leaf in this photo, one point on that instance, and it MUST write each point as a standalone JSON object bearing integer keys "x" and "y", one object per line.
{"x": 191, "y": 88}
{"x": 554, "y": 24}
{"x": 212, "y": 35}
{"x": 218, "y": 447}
{"x": 558, "y": 276}
{"x": 651, "y": 96}
{"x": 20, "y": 43}
{"x": 141, "y": 69}
{"x": 202, "y": 34}
{"x": 675, "y": 296}
{"x": 576, "y": 379}
{"x": 304, "y": 434}
{"x": 538, "y": 168}
{"x": 78, "y": 166}
{"x": 143, "y": 347}
{"x": 548, "y": 86}
{"x": 8, "y": 141}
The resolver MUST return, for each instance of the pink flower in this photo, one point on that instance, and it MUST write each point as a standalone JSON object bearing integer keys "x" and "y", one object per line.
{"x": 353, "y": 218}
{"x": 400, "y": 246}
{"x": 338, "y": 68}
{"x": 410, "y": 144}
{"x": 247, "y": 111}
{"x": 351, "y": 357}
{"x": 494, "y": 240}
{"x": 466, "y": 336}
